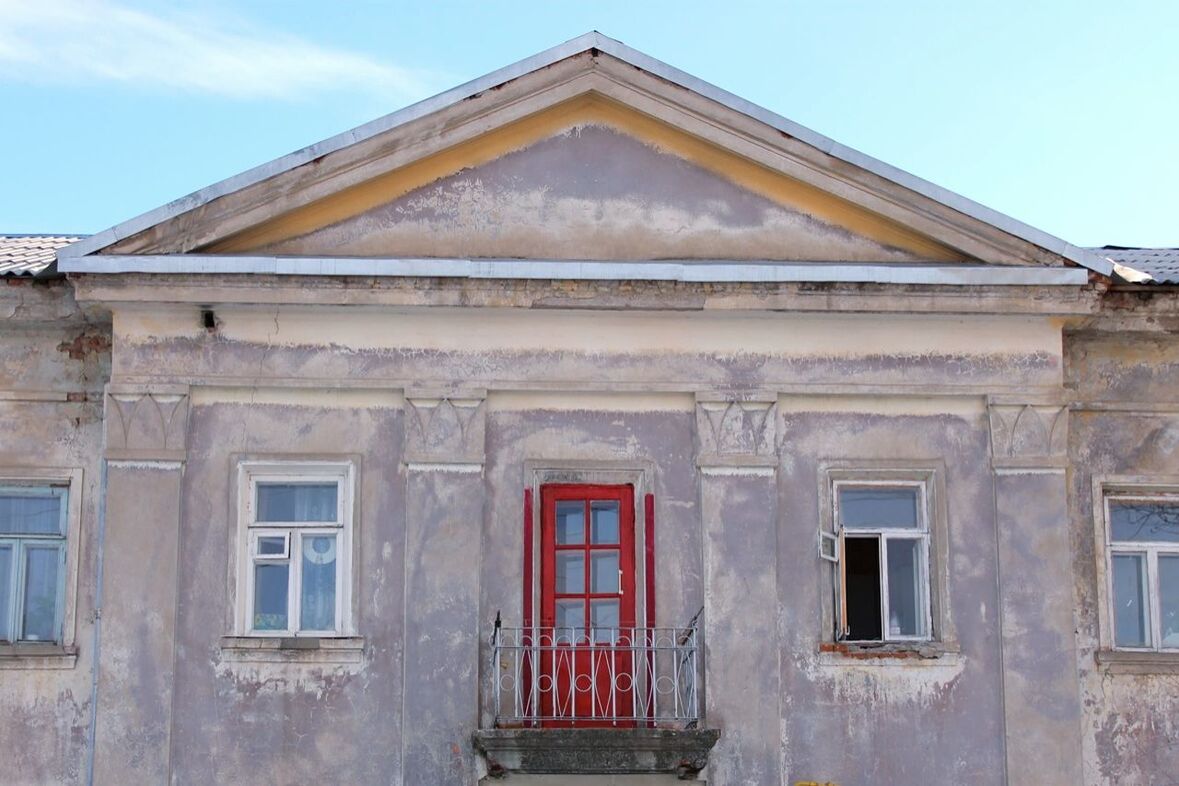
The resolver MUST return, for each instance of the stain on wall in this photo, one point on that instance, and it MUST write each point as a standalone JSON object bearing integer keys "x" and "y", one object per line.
{"x": 590, "y": 192}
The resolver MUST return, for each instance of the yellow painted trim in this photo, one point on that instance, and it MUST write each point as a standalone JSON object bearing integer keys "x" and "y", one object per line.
{"x": 587, "y": 109}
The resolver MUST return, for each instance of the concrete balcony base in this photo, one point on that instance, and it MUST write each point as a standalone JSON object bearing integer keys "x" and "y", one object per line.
{"x": 680, "y": 752}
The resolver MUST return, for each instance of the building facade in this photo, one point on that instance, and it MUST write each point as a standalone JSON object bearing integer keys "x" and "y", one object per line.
{"x": 586, "y": 424}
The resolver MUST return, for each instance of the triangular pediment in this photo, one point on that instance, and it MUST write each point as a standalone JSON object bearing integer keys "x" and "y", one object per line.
{"x": 589, "y": 151}
{"x": 594, "y": 190}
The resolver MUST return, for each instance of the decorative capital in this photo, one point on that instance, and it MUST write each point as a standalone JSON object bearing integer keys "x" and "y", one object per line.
{"x": 735, "y": 431}
{"x": 1028, "y": 435}
{"x": 146, "y": 424}
{"x": 444, "y": 429}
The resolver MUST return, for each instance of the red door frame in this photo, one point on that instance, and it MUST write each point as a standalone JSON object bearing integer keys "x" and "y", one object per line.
{"x": 550, "y": 495}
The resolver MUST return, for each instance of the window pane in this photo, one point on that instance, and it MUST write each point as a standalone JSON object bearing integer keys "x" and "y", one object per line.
{"x": 1138, "y": 521}
{"x": 41, "y": 572}
{"x": 272, "y": 545}
{"x": 604, "y": 620}
{"x": 30, "y": 511}
{"x": 570, "y": 614}
{"x": 1129, "y": 581}
{"x": 862, "y": 557}
{"x": 906, "y": 598}
{"x": 318, "y": 598}
{"x": 297, "y": 502}
{"x": 604, "y": 522}
{"x": 5, "y": 592}
{"x": 270, "y": 595}
{"x": 604, "y": 571}
{"x": 874, "y": 506}
{"x": 570, "y": 522}
{"x": 570, "y": 571}
{"x": 1169, "y": 600}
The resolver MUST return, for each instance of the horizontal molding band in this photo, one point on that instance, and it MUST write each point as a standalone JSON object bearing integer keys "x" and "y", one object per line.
{"x": 689, "y": 386}
{"x": 471, "y": 468}
{"x": 731, "y": 470}
{"x": 705, "y": 271}
{"x": 1127, "y": 407}
{"x": 144, "y": 464}
{"x": 999, "y": 470}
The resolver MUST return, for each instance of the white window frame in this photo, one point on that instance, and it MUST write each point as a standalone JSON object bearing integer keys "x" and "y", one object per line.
{"x": 832, "y": 549}
{"x": 251, "y": 474}
{"x": 70, "y": 481}
{"x": 1150, "y": 549}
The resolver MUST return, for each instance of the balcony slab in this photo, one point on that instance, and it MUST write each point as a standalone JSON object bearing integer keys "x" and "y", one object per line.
{"x": 680, "y": 752}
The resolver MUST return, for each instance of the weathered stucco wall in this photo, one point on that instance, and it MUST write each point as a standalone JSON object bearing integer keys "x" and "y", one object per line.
{"x": 899, "y": 720}
{"x": 1126, "y": 425}
{"x": 528, "y": 348}
{"x": 439, "y": 533}
{"x": 53, "y": 363}
{"x": 655, "y": 445}
{"x": 592, "y": 405}
{"x": 292, "y": 721}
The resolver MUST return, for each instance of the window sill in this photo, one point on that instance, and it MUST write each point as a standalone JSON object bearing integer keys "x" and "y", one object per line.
{"x": 38, "y": 656}
{"x": 909, "y": 653}
{"x": 1142, "y": 662}
{"x": 281, "y": 649}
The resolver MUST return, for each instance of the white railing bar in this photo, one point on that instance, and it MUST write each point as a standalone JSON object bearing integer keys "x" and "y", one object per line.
{"x": 619, "y": 689}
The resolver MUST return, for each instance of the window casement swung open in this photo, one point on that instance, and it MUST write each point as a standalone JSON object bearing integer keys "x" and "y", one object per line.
{"x": 879, "y": 547}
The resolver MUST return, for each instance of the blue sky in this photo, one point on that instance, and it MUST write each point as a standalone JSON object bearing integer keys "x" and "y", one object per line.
{"x": 1063, "y": 114}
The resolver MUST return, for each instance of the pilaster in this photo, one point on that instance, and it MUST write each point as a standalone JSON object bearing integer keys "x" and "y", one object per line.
{"x": 444, "y": 454}
{"x": 145, "y": 448}
{"x": 737, "y": 459}
{"x": 1029, "y": 442}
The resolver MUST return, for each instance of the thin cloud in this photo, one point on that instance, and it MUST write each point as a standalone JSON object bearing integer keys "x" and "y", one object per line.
{"x": 87, "y": 41}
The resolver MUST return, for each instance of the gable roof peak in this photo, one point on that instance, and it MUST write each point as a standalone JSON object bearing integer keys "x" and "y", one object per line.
{"x": 596, "y": 42}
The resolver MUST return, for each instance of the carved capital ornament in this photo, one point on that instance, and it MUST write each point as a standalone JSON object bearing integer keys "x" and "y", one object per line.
{"x": 146, "y": 424}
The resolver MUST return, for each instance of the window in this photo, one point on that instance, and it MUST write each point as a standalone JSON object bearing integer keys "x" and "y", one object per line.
{"x": 880, "y": 547}
{"x": 34, "y": 520}
{"x": 297, "y": 545}
{"x": 1143, "y": 568}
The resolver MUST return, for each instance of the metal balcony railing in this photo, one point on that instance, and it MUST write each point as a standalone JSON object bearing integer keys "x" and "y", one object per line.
{"x": 625, "y": 677}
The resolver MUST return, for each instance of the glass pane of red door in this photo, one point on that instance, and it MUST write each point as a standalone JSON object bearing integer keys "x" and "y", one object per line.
{"x": 587, "y": 602}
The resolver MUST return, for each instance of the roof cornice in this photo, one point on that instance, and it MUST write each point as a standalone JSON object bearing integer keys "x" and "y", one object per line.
{"x": 688, "y": 270}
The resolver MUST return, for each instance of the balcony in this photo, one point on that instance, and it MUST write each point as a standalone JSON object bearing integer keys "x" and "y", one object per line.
{"x": 596, "y": 700}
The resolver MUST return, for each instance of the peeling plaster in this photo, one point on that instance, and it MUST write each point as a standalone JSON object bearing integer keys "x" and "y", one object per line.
{"x": 506, "y": 330}
{"x": 249, "y": 680}
{"x": 589, "y": 192}
{"x": 880, "y": 682}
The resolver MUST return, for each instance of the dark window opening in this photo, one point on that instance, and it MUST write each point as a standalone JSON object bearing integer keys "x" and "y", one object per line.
{"x": 862, "y": 562}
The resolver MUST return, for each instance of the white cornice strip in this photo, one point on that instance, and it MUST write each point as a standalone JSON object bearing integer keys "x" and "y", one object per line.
{"x": 564, "y": 270}
{"x": 583, "y": 43}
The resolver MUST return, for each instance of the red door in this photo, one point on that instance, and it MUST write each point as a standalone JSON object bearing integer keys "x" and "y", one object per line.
{"x": 587, "y": 605}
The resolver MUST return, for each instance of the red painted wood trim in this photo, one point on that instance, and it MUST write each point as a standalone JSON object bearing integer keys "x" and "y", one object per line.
{"x": 649, "y": 556}
{"x": 527, "y": 558}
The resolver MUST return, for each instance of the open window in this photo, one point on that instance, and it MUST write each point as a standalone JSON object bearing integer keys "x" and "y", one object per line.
{"x": 295, "y": 560}
{"x": 1142, "y": 568}
{"x": 879, "y": 545}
